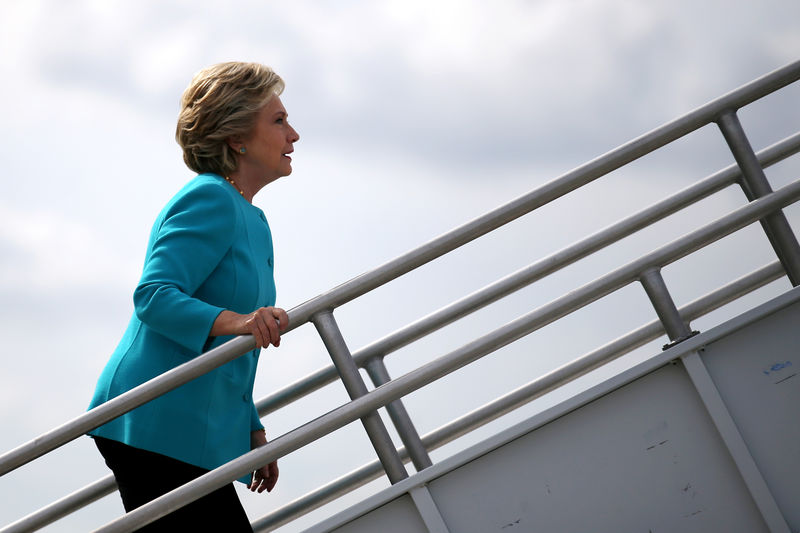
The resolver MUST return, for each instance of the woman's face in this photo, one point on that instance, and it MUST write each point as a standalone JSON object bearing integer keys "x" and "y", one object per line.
{"x": 268, "y": 146}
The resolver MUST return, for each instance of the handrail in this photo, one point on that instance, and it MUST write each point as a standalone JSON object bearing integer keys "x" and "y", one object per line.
{"x": 522, "y": 395}
{"x": 454, "y": 360}
{"x": 438, "y": 437}
{"x": 527, "y": 275}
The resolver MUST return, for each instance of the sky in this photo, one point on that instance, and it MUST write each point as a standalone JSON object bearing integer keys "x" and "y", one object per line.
{"x": 414, "y": 117}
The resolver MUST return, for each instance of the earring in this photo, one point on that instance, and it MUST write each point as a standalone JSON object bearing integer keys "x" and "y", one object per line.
{"x": 242, "y": 150}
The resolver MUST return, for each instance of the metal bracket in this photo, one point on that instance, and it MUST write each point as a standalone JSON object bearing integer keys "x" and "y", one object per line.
{"x": 679, "y": 340}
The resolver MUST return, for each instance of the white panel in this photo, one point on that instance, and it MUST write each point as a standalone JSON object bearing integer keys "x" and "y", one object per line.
{"x": 756, "y": 371}
{"x": 398, "y": 516}
{"x": 644, "y": 458}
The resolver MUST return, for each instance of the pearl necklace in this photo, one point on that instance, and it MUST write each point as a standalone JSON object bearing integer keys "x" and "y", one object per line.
{"x": 229, "y": 180}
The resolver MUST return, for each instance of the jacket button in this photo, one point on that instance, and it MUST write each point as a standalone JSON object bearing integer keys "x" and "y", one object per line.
{"x": 245, "y": 397}
{"x": 269, "y": 262}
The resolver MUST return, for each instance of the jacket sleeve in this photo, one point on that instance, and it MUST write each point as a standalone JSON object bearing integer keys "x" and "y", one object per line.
{"x": 255, "y": 420}
{"x": 195, "y": 234}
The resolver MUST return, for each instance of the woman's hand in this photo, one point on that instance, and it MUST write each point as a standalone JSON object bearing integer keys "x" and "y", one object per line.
{"x": 265, "y": 477}
{"x": 265, "y": 325}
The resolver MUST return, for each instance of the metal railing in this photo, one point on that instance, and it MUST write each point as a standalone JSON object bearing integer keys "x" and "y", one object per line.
{"x": 764, "y": 206}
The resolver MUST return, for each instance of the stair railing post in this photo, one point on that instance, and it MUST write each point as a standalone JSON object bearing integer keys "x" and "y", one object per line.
{"x": 653, "y": 282}
{"x": 355, "y": 386}
{"x": 755, "y": 185}
{"x": 379, "y": 374}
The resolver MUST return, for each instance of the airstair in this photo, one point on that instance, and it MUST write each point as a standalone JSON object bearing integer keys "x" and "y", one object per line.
{"x": 702, "y": 435}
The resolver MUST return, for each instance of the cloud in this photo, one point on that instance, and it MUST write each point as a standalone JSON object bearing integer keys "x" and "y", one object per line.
{"x": 454, "y": 83}
{"x": 543, "y": 82}
{"x": 48, "y": 250}
{"x": 57, "y": 269}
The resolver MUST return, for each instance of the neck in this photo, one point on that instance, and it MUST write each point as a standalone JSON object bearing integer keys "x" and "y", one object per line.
{"x": 243, "y": 186}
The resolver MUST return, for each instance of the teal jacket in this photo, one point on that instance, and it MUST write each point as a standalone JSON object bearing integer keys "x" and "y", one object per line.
{"x": 209, "y": 250}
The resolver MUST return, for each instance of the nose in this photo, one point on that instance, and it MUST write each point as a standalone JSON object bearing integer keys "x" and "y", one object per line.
{"x": 293, "y": 135}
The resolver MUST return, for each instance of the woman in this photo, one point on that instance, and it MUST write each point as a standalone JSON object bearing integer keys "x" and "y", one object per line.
{"x": 208, "y": 276}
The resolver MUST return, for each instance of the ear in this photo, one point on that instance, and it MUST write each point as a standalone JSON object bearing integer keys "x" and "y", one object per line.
{"x": 235, "y": 143}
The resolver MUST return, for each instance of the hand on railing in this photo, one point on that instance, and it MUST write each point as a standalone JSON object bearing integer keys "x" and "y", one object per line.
{"x": 265, "y": 325}
{"x": 265, "y": 477}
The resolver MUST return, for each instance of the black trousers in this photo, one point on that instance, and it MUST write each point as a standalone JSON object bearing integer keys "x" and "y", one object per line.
{"x": 143, "y": 476}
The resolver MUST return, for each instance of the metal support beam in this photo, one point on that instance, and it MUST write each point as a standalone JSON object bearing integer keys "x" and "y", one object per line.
{"x": 427, "y": 510}
{"x": 378, "y": 435}
{"x": 379, "y": 374}
{"x": 735, "y": 443}
{"x": 755, "y": 185}
{"x": 667, "y": 311}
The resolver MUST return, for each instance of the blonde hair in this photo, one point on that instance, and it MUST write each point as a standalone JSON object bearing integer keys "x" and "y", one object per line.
{"x": 222, "y": 102}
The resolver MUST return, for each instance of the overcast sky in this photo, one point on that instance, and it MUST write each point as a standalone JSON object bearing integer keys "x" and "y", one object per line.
{"x": 414, "y": 117}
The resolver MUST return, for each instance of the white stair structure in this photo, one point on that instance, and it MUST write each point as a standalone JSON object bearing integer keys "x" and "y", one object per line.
{"x": 703, "y": 437}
